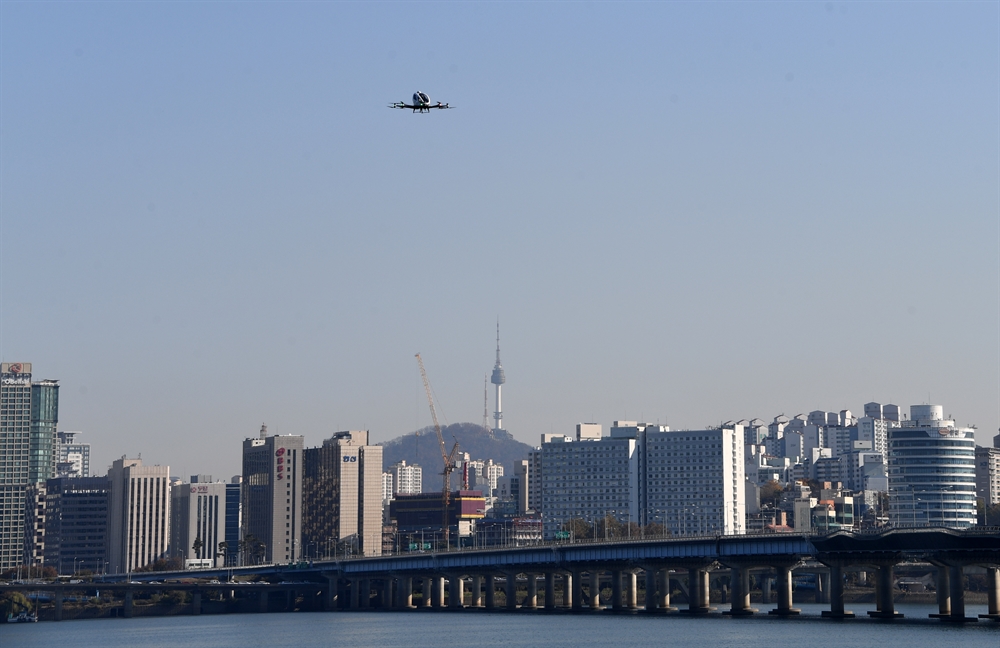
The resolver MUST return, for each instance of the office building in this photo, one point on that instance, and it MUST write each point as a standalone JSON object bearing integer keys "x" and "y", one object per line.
{"x": 76, "y": 524}
{"x": 198, "y": 522}
{"x": 272, "y": 498}
{"x": 342, "y": 496}
{"x": 234, "y": 517}
{"x": 932, "y": 472}
{"x": 72, "y": 456}
{"x": 28, "y": 416}
{"x": 138, "y": 514}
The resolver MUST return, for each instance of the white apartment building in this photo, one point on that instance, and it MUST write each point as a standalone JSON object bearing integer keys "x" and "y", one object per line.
{"x": 694, "y": 480}
{"x": 588, "y": 479}
{"x": 407, "y": 479}
{"x": 138, "y": 515}
{"x": 988, "y": 475}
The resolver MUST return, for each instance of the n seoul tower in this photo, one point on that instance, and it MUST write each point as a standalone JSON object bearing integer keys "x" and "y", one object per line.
{"x": 498, "y": 380}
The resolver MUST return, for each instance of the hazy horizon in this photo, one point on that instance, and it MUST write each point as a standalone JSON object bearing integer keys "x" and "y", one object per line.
{"x": 681, "y": 213}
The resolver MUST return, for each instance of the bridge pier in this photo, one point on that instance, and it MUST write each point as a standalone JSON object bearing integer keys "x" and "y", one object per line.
{"x": 942, "y": 588}
{"x": 823, "y": 587}
{"x": 663, "y": 591}
{"x": 567, "y": 590}
{"x": 531, "y": 601}
{"x": 57, "y": 600}
{"x": 651, "y": 599}
{"x": 616, "y": 590}
{"x": 577, "y": 591}
{"x": 550, "y": 591}
{"x": 784, "y": 582}
{"x": 477, "y": 591}
{"x": 354, "y": 601}
{"x": 262, "y": 601}
{"x": 510, "y": 591}
{"x": 330, "y": 595}
{"x": 837, "y": 610}
{"x": 883, "y": 594}
{"x": 456, "y": 592}
{"x": 956, "y": 581}
{"x": 992, "y": 594}
{"x": 406, "y": 587}
{"x": 437, "y": 592}
{"x": 491, "y": 592}
{"x": 594, "y": 593}
{"x": 631, "y": 598}
{"x": 739, "y": 578}
{"x": 196, "y": 602}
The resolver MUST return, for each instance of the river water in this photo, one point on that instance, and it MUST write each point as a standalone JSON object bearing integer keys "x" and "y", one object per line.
{"x": 483, "y": 630}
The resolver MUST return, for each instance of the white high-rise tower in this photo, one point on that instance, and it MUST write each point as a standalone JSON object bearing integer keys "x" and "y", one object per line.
{"x": 498, "y": 380}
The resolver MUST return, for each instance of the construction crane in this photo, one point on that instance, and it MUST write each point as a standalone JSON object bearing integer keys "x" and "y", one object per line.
{"x": 448, "y": 459}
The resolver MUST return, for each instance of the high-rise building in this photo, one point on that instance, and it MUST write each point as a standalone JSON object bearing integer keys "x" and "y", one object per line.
{"x": 407, "y": 479}
{"x": 272, "y": 498}
{"x": 76, "y": 524}
{"x": 198, "y": 522}
{"x": 138, "y": 514}
{"x": 28, "y": 416}
{"x": 988, "y": 475}
{"x": 694, "y": 480}
{"x": 34, "y": 524}
{"x": 44, "y": 418}
{"x": 342, "y": 495}
{"x": 234, "y": 516}
{"x": 72, "y": 457}
{"x": 932, "y": 472}
{"x": 588, "y": 479}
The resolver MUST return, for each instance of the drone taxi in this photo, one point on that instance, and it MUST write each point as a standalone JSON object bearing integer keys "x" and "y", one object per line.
{"x": 421, "y": 103}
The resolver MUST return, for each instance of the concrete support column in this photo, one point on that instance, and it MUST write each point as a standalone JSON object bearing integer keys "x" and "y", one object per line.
{"x": 705, "y": 589}
{"x": 365, "y": 594}
{"x": 784, "y": 585}
{"x": 531, "y": 602}
{"x": 57, "y": 599}
{"x": 406, "y": 587}
{"x": 491, "y": 592}
{"x": 943, "y": 586}
{"x": 511, "y": 591}
{"x": 196, "y": 602}
{"x": 955, "y": 575}
{"x": 127, "y": 607}
{"x": 823, "y": 587}
{"x": 261, "y": 602}
{"x": 631, "y": 598}
{"x": 437, "y": 596}
{"x": 550, "y": 590}
{"x": 425, "y": 591}
{"x": 330, "y": 594}
{"x": 577, "y": 591}
{"x": 456, "y": 592}
{"x": 594, "y": 598}
{"x": 616, "y": 589}
{"x": 355, "y": 601}
{"x": 650, "y": 589}
{"x": 567, "y": 590}
{"x": 992, "y": 594}
{"x": 477, "y": 591}
{"x": 739, "y": 577}
{"x": 883, "y": 594}
{"x": 663, "y": 595}
{"x": 695, "y": 596}
{"x": 289, "y": 600}
{"x": 837, "y": 610}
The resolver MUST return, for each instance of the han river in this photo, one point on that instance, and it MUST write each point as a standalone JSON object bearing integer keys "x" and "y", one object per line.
{"x": 486, "y": 630}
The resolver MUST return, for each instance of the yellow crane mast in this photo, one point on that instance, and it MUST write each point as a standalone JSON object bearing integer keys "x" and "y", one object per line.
{"x": 448, "y": 459}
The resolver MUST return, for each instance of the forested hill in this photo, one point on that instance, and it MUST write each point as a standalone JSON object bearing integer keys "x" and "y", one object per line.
{"x": 422, "y": 448}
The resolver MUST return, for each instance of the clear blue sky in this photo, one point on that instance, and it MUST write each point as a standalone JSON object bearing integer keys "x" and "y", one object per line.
{"x": 681, "y": 212}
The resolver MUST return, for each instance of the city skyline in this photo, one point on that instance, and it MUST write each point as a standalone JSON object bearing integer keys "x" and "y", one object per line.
{"x": 682, "y": 214}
